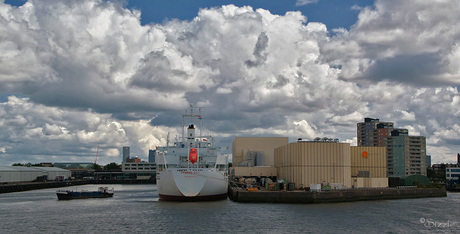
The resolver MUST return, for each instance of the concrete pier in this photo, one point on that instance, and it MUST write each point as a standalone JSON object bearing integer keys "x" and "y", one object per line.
{"x": 19, "y": 187}
{"x": 299, "y": 196}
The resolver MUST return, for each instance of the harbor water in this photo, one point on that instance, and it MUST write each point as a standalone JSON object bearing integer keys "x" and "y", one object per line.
{"x": 137, "y": 209}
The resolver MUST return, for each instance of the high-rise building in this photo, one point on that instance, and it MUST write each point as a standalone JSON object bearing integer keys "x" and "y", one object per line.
{"x": 406, "y": 155}
{"x": 152, "y": 156}
{"x": 394, "y": 163}
{"x": 372, "y": 132}
{"x": 428, "y": 161}
{"x": 409, "y": 155}
{"x": 125, "y": 153}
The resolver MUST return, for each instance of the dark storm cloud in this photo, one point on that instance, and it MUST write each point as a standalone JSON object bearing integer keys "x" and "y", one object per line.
{"x": 416, "y": 69}
{"x": 155, "y": 73}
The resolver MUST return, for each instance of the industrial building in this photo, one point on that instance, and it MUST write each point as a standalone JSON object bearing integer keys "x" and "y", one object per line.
{"x": 254, "y": 156}
{"x": 79, "y": 170}
{"x": 368, "y": 167}
{"x": 256, "y": 151}
{"x": 323, "y": 161}
{"x": 15, "y": 174}
{"x": 305, "y": 163}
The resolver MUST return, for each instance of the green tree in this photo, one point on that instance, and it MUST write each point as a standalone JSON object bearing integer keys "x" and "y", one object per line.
{"x": 97, "y": 167}
{"x": 112, "y": 166}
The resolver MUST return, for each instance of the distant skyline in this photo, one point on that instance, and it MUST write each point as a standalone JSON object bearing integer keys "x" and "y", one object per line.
{"x": 75, "y": 75}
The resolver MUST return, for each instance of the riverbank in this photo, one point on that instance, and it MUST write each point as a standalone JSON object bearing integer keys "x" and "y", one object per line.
{"x": 19, "y": 187}
{"x": 299, "y": 196}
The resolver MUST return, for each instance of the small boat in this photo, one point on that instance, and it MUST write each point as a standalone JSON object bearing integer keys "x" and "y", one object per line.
{"x": 102, "y": 192}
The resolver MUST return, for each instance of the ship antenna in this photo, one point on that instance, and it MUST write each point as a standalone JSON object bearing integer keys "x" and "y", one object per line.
{"x": 200, "y": 119}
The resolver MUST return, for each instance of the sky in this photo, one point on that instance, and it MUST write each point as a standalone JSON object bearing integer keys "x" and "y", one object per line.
{"x": 80, "y": 75}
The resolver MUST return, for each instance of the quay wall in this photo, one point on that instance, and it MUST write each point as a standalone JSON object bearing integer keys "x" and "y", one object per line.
{"x": 240, "y": 195}
{"x": 19, "y": 187}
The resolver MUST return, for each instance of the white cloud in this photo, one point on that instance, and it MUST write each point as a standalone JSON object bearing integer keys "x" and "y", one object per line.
{"x": 223, "y": 90}
{"x": 306, "y": 129}
{"x": 64, "y": 135}
{"x": 93, "y": 75}
{"x": 405, "y": 41}
{"x": 405, "y": 115}
{"x": 442, "y": 154}
{"x": 305, "y": 2}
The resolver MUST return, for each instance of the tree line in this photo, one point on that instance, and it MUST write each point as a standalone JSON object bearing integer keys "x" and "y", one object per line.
{"x": 109, "y": 167}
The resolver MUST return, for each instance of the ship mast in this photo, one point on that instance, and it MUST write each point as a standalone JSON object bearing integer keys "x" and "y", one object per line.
{"x": 192, "y": 117}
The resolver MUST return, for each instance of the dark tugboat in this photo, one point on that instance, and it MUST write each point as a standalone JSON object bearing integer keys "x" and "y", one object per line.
{"x": 102, "y": 192}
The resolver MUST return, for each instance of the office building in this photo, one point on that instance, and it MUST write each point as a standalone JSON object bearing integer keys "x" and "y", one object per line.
{"x": 406, "y": 155}
{"x": 125, "y": 153}
{"x": 371, "y": 132}
{"x": 152, "y": 156}
{"x": 453, "y": 172}
{"x": 139, "y": 170}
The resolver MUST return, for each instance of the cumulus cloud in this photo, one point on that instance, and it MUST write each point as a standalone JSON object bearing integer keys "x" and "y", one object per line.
{"x": 87, "y": 73}
{"x": 50, "y": 133}
{"x": 401, "y": 41}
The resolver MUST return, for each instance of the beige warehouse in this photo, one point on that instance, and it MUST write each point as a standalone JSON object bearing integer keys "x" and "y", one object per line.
{"x": 242, "y": 146}
{"x": 314, "y": 163}
{"x": 368, "y": 167}
{"x": 368, "y": 161}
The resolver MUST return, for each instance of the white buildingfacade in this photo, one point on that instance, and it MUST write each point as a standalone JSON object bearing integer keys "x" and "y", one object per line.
{"x": 9, "y": 174}
{"x": 452, "y": 172}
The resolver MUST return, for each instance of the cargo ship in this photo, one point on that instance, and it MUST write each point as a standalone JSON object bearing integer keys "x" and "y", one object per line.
{"x": 192, "y": 168}
{"x": 102, "y": 192}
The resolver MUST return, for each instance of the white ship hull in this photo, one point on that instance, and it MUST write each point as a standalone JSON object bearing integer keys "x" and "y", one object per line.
{"x": 191, "y": 168}
{"x": 191, "y": 184}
